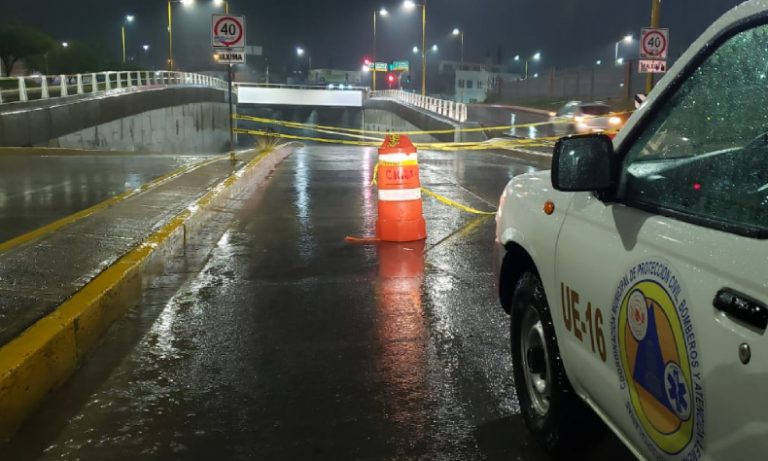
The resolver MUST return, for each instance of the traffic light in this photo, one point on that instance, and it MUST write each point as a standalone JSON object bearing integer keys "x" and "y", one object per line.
{"x": 367, "y": 62}
{"x": 391, "y": 78}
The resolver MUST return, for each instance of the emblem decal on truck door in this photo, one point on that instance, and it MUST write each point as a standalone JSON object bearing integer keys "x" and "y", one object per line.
{"x": 657, "y": 359}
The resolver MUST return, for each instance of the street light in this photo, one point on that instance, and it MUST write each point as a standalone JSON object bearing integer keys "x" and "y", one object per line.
{"x": 185, "y": 3}
{"x": 535, "y": 57}
{"x": 383, "y": 13}
{"x": 599, "y": 62}
{"x": 409, "y": 5}
{"x": 128, "y": 19}
{"x": 65, "y": 44}
{"x": 628, "y": 39}
{"x": 435, "y": 48}
{"x": 146, "y": 47}
{"x": 300, "y": 52}
{"x": 415, "y": 50}
{"x": 460, "y": 33}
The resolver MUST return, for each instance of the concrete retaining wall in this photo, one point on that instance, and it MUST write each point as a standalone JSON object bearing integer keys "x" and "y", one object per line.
{"x": 189, "y": 119}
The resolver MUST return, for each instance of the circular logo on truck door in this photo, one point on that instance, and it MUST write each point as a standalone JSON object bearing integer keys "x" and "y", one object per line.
{"x": 657, "y": 360}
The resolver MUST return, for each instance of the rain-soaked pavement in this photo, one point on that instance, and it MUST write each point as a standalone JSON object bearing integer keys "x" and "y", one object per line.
{"x": 279, "y": 341}
{"x": 37, "y": 189}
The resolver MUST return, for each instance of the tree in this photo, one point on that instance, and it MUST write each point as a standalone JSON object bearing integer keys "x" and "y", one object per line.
{"x": 21, "y": 42}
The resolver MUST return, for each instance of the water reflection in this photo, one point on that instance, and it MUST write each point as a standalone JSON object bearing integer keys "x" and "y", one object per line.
{"x": 402, "y": 335}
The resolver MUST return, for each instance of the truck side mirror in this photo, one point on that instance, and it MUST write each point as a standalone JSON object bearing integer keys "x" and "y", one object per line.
{"x": 583, "y": 163}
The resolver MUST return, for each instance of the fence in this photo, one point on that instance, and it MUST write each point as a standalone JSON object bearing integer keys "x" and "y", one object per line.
{"x": 41, "y": 87}
{"x": 599, "y": 82}
{"x": 450, "y": 109}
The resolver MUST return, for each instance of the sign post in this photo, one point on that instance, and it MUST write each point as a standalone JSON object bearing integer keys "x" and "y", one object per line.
{"x": 228, "y": 40}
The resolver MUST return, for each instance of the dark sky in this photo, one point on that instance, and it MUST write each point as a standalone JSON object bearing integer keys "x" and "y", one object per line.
{"x": 339, "y": 32}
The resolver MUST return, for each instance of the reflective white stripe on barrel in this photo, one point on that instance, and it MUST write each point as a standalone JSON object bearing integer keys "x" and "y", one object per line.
{"x": 397, "y": 158}
{"x": 398, "y": 195}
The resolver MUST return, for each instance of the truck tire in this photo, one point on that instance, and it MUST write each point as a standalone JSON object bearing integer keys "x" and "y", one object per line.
{"x": 551, "y": 409}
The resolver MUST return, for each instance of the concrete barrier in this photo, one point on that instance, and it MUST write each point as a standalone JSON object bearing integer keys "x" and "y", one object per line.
{"x": 175, "y": 119}
{"x": 45, "y": 355}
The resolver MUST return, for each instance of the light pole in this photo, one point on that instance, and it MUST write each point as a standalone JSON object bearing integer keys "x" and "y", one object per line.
{"x": 383, "y": 13}
{"x": 460, "y": 33}
{"x": 535, "y": 57}
{"x": 128, "y": 19}
{"x": 410, "y": 4}
{"x": 222, "y": 2}
{"x": 172, "y": 64}
{"x": 627, "y": 40}
{"x": 300, "y": 52}
{"x": 655, "y": 21}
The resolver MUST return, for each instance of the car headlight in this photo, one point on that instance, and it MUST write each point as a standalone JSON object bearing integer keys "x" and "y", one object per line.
{"x": 614, "y": 121}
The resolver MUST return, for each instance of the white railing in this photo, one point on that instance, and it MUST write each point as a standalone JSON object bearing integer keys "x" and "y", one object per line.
{"x": 453, "y": 110}
{"x": 40, "y": 87}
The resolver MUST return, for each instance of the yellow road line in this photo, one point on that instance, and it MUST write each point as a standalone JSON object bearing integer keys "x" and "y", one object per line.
{"x": 71, "y": 219}
{"x": 46, "y": 354}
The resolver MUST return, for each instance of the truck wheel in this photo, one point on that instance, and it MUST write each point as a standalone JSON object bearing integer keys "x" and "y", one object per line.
{"x": 550, "y": 408}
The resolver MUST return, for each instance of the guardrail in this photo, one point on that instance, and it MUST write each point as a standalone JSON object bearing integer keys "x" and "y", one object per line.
{"x": 42, "y": 87}
{"x": 304, "y": 86}
{"x": 453, "y": 110}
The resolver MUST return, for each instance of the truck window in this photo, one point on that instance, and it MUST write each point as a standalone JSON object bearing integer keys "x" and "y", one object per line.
{"x": 705, "y": 152}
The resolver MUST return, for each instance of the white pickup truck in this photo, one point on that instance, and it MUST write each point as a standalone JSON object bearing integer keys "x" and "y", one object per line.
{"x": 636, "y": 270}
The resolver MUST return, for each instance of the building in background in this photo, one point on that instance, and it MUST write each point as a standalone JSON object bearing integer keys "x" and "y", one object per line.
{"x": 472, "y": 82}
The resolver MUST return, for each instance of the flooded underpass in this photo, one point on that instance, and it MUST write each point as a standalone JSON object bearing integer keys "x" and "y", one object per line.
{"x": 272, "y": 338}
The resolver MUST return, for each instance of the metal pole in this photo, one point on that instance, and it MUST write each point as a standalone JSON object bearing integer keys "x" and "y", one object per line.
{"x": 462, "y": 47}
{"x": 655, "y": 20}
{"x": 122, "y": 34}
{"x": 170, "y": 38}
{"x": 231, "y": 111}
{"x": 526, "y": 69}
{"x": 373, "y": 68}
{"x": 424, "y": 48}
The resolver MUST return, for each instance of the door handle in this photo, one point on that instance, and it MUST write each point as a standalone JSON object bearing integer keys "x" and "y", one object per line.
{"x": 742, "y": 307}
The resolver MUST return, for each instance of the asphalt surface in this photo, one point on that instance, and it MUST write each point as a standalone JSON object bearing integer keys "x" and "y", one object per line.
{"x": 271, "y": 338}
{"x": 37, "y": 189}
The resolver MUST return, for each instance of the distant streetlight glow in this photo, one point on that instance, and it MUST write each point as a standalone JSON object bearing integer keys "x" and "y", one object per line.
{"x": 434, "y": 48}
{"x": 517, "y": 57}
{"x": 128, "y": 19}
{"x": 411, "y": 5}
{"x": 627, "y": 40}
{"x": 599, "y": 62}
{"x": 620, "y": 61}
{"x": 146, "y": 47}
{"x": 415, "y": 50}
{"x": 218, "y": 2}
{"x": 383, "y": 12}
{"x": 187, "y": 2}
{"x": 456, "y": 31}
{"x": 537, "y": 56}
{"x": 299, "y": 51}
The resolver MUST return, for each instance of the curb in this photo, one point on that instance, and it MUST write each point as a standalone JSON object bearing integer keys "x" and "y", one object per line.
{"x": 44, "y": 356}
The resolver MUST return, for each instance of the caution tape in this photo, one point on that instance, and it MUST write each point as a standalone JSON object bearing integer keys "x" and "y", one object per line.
{"x": 340, "y": 130}
{"x": 454, "y": 204}
{"x": 497, "y": 143}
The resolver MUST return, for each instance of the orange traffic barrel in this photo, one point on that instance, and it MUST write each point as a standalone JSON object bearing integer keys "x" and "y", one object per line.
{"x": 401, "y": 215}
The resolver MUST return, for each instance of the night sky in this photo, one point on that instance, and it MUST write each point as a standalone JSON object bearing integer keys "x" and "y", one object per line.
{"x": 338, "y": 33}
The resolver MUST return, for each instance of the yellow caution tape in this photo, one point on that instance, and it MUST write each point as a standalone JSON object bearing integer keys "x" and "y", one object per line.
{"x": 439, "y": 146}
{"x": 450, "y": 202}
{"x": 341, "y": 130}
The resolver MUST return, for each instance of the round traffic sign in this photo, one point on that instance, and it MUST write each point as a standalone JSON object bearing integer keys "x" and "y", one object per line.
{"x": 228, "y": 31}
{"x": 654, "y": 44}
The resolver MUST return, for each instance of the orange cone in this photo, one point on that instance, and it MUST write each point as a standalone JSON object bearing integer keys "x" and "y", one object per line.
{"x": 401, "y": 216}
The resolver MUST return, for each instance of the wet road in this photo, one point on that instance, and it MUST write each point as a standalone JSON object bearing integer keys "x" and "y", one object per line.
{"x": 36, "y": 190}
{"x": 283, "y": 342}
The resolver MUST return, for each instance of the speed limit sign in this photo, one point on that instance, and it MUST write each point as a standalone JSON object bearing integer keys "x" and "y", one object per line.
{"x": 654, "y": 43}
{"x": 227, "y": 31}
